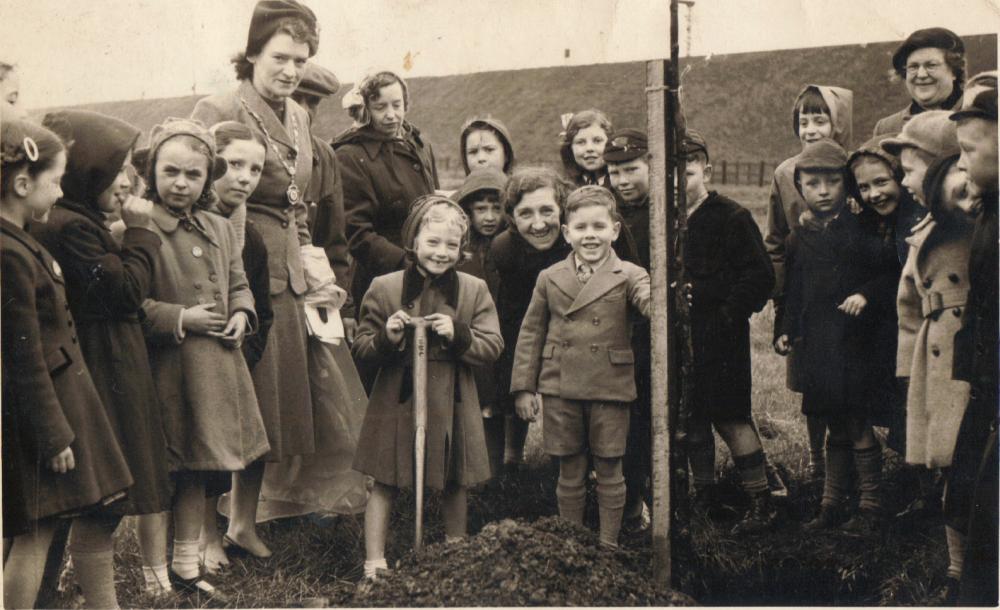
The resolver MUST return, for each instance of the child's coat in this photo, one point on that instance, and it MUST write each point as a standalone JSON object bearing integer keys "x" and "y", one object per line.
{"x": 575, "y": 340}
{"x": 931, "y": 301}
{"x": 49, "y": 400}
{"x": 456, "y": 445}
{"x": 211, "y": 417}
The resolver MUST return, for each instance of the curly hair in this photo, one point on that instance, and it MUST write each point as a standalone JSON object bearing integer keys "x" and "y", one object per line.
{"x": 579, "y": 122}
{"x": 295, "y": 27}
{"x": 370, "y": 89}
{"x": 530, "y": 179}
{"x": 15, "y": 148}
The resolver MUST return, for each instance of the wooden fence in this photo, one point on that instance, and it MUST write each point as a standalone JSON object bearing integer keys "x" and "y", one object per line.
{"x": 748, "y": 173}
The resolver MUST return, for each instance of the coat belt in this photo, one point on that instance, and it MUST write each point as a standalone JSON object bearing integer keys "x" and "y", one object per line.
{"x": 936, "y": 301}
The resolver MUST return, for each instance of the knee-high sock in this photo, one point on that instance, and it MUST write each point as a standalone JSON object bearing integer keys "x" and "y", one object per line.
{"x": 836, "y": 484}
{"x": 868, "y": 463}
{"x": 753, "y": 477}
{"x": 956, "y": 552}
{"x": 571, "y": 495}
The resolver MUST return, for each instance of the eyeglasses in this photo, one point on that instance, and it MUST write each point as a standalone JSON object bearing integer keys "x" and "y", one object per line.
{"x": 929, "y": 67}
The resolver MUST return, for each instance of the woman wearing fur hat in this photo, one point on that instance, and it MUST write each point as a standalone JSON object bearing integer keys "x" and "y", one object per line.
{"x": 932, "y": 64}
{"x": 283, "y": 36}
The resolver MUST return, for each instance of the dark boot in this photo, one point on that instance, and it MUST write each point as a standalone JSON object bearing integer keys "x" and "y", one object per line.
{"x": 759, "y": 517}
{"x": 865, "y": 524}
{"x": 829, "y": 516}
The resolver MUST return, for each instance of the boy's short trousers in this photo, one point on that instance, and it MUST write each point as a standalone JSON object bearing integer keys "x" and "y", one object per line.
{"x": 571, "y": 426}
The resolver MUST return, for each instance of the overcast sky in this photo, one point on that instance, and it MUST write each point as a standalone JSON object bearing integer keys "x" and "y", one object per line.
{"x": 95, "y": 50}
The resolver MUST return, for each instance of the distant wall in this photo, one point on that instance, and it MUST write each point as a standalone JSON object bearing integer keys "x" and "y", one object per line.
{"x": 740, "y": 102}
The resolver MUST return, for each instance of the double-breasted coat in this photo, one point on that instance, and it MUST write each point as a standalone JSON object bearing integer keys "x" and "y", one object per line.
{"x": 382, "y": 176}
{"x": 575, "y": 339}
{"x": 932, "y": 297}
{"x": 281, "y": 375}
{"x": 210, "y": 411}
{"x": 731, "y": 279}
{"x": 456, "y": 445}
{"x": 49, "y": 400}
{"x": 847, "y": 361}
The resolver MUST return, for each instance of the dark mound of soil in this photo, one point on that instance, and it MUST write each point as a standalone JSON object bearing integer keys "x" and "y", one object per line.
{"x": 512, "y": 563}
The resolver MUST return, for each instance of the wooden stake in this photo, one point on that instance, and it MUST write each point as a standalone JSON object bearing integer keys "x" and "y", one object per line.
{"x": 660, "y": 321}
{"x": 419, "y": 423}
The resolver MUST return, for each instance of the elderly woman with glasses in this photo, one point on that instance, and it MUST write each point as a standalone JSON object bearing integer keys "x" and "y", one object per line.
{"x": 932, "y": 64}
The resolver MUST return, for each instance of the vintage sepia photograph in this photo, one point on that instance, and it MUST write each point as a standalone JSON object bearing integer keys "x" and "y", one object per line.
{"x": 434, "y": 303}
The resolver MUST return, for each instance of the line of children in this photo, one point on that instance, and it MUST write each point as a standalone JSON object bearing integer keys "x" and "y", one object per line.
{"x": 60, "y": 456}
{"x": 199, "y": 310}
{"x": 106, "y": 284}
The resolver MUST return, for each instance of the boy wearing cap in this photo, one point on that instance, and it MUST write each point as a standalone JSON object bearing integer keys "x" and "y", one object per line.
{"x": 731, "y": 278}
{"x": 324, "y": 195}
{"x": 976, "y": 345}
{"x": 932, "y": 64}
{"x": 926, "y": 137}
{"x": 479, "y": 196}
{"x": 828, "y": 316}
{"x": 574, "y": 351}
{"x": 627, "y": 157}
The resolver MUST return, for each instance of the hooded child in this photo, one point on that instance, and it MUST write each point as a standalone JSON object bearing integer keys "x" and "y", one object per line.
{"x": 485, "y": 142}
{"x": 463, "y": 333}
{"x": 106, "y": 284}
{"x": 480, "y": 198}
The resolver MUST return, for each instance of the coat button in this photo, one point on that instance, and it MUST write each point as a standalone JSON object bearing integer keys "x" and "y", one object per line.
{"x": 957, "y": 311}
{"x": 188, "y": 228}
{"x": 73, "y": 339}
{"x": 594, "y": 348}
{"x": 201, "y": 300}
{"x": 596, "y": 321}
{"x": 953, "y": 277}
{"x": 197, "y": 285}
{"x": 218, "y": 297}
{"x": 973, "y": 395}
{"x": 409, "y": 305}
{"x": 212, "y": 277}
{"x": 928, "y": 282}
{"x": 565, "y": 343}
{"x": 416, "y": 167}
{"x": 70, "y": 323}
{"x": 935, "y": 351}
{"x": 567, "y": 319}
{"x": 284, "y": 224}
{"x": 291, "y": 155}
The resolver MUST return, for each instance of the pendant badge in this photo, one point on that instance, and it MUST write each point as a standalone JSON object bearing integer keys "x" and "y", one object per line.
{"x": 293, "y": 193}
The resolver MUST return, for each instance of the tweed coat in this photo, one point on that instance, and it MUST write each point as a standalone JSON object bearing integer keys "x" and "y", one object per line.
{"x": 211, "y": 416}
{"x": 575, "y": 340}
{"x": 456, "y": 444}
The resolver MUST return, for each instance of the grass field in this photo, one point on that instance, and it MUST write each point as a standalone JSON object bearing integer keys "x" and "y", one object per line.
{"x": 321, "y": 556}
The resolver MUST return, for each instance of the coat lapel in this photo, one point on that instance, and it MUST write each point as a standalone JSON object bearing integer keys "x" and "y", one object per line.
{"x": 260, "y": 111}
{"x": 564, "y": 277}
{"x": 51, "y": 266}
{"x": 603, "y": 281}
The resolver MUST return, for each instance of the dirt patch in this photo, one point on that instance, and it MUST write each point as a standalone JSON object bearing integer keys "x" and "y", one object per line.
{"x": 549, "y": 562}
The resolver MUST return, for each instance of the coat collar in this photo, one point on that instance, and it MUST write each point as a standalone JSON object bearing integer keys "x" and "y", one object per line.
{"x": 168, "y": 223}
{"x": 83, "y": 210}
{"x": 413, "y": 285}
{"x": 13, "y": 231}
{"x": 373, "y": 141}
{"x": 260, "y": 110}
{"x": 607, "y": 277}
